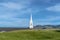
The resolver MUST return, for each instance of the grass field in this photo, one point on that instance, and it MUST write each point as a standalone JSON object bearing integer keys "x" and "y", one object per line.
{"x": 31, "y": 35}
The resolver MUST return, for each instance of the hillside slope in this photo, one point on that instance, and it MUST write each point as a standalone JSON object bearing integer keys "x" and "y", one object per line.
{"x": 30, "y": 35}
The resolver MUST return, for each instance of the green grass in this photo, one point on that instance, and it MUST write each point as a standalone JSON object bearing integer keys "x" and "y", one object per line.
{"x": 30, "y": 35}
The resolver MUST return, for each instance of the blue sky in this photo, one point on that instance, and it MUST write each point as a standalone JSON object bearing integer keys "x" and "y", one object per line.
{"x": 16, "y": 13}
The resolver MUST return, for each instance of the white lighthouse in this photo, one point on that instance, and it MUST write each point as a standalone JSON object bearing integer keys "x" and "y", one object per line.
{"x": 31, "y": 22}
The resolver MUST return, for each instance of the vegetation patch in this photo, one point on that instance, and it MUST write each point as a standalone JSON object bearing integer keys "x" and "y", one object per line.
{"x": 30, "y": 35}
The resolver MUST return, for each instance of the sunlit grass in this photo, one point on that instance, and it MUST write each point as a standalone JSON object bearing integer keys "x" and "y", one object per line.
{"x": 30, "y": 35}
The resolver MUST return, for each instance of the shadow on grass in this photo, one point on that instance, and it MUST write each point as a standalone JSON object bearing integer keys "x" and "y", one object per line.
{"x": 57, "y": 30}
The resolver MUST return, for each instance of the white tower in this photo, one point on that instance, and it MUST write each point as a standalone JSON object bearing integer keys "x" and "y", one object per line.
{"x": 31, "y": 22}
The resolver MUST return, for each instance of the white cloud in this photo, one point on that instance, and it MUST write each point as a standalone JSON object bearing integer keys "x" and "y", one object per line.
{"x": 54, "y": 8}
{"x": 14, "y": 23}
{"x": 48, "y": 20}
{"x": 47, "y": 23}
{"x": 46, "y": 1}
{"x": 9, "y": 11}
{"x": 9, "y": 20}
{"x": 51, "y": 18}
{"x": 7, "y": 16}
{"x": 12, "y": 5}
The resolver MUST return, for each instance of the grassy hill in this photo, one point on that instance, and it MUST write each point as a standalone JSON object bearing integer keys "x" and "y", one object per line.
{"x": 30, "y": 35}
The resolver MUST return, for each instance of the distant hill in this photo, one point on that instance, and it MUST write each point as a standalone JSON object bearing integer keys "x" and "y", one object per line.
{"x": 46, "y": 26}
{"x": 35, "y": 27}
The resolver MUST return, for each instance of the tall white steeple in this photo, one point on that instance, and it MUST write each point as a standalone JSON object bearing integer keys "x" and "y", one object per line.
{"x": 31, "y": 22}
